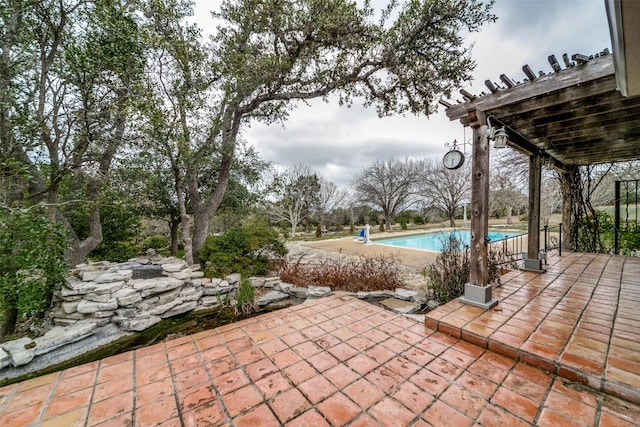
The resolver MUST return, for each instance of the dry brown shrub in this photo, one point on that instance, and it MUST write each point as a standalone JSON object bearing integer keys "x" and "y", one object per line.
{"x": 348, "y": 274}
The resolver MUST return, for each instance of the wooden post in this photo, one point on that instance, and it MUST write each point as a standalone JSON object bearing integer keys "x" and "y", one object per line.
{"x": 479, "y": 207}
{"x": 567, "y": 182}
{"x": 532, "y": 262}
{"x": 478, "y": 291}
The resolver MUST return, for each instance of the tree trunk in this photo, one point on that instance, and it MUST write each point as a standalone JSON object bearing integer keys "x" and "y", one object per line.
{"x": 203, "y": 213}
{"x": 8, "y": 324}
{"x": 80, "y": 249}
{"x": 174, "y": 225}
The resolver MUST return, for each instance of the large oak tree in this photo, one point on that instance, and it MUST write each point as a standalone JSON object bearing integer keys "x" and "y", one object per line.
{"x": 266, "y": 56}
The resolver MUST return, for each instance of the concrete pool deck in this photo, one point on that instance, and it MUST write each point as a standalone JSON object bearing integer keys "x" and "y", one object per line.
{"x": 417, "y": 259}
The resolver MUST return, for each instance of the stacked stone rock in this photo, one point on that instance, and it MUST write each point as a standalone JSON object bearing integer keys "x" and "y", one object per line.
{"x": 107, "y": 293}
{"x": 102, "y": 293}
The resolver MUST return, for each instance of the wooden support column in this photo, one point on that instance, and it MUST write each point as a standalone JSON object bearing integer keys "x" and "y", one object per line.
{"x": 478, "y": 291}
{"x": 532, "y": 261}
{"x": 568, "y": 181}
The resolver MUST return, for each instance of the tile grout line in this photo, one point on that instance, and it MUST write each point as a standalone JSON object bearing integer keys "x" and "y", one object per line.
{"x": 134, "y": 387}
{"x": 48, "y": 401}
{"x": 93, "y": 391}
{"x": 173, "y": 384}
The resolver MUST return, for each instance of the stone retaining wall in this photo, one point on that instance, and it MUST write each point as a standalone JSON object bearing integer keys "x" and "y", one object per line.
{"x": 100, "y": 295}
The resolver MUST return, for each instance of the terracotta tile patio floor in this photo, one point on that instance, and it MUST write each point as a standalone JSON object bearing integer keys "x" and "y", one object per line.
{"x": 341, "y": 361}
{"x": 580, "y": 320}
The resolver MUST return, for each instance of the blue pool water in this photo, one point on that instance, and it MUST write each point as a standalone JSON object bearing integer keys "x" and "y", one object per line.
{"x": 436, "y": 241}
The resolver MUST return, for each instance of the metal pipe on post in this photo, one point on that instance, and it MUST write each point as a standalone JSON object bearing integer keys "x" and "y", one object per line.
{"x": 616, "y": 230}
{"x": 560, "y": 239}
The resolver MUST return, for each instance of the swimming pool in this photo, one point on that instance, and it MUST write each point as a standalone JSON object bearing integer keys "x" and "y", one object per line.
{"x": 435, "y": 241}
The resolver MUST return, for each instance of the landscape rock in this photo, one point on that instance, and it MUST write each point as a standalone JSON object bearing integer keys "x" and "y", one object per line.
{"x": 187, "y": 275}
{"x": 257, "y": 282}
{"x": 20, "y": 350}
{"x": 147, "y": 303}
{"x": 126, "y": 266}
{"x": 284, "y": 287}
{"x": 319, "y": 291}
{"x": 174, "y": 267}
{"x": 114, "y": 276}
{"x": 209, "y": 301}
{"x": 432, "y": 304}
{"x": 180, "y": 309}
{"x": 169, "y": 296}
{"x": 139, "y": 323}
{"x": 156, "y": 285}
{"x": 70, "y": 307}
{"x": 59, "y": 336}
{"x": 216, "y": 290}
{"x": 95, "y": 297}
{"x": 163, "y": 308}
{"x": 91, "y": 307}
{"x": 297, "y": 292}
{"x": 126, "y": 313}
{"x": 127, "y": 297}
{"x": 279, "y": 305}
{"x": 400, "y": 306}
{"x": 134, "y": 296}
{"x": 189, "y": 293}
{"x": 270, "y": 282}
{"x": 272, "y": 297}
{"x": 5, "y": 359}
{"x": 233, "y": 279}
{"x": 404, "y": 294}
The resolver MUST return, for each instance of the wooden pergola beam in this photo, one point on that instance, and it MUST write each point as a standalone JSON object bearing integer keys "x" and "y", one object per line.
{"x": 544, "y": 85}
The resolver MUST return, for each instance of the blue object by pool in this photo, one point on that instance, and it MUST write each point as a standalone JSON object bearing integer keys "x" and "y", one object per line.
{"x": 436, "y": 241}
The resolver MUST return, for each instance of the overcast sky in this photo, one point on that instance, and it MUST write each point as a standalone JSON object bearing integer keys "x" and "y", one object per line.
{"x": 338, "y": 141}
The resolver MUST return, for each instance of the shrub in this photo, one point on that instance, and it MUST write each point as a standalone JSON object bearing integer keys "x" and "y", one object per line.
{"x": 353, "y": 275}
{"x": 116, "y": 251}
{"x": 155, "y": 241}
{"x": 246, "y": 250}
{"x": 449, "y": 273}
{"x": 31, "y": 261}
